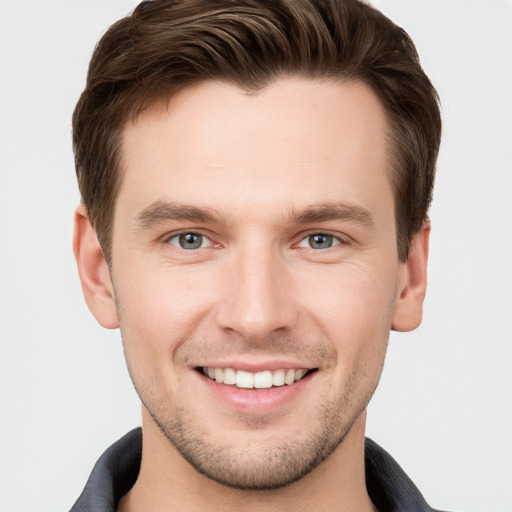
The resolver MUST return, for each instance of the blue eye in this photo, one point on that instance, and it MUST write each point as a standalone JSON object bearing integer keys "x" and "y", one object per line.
{"x": 189, "y": 241}
{"x": 319, "y": 241}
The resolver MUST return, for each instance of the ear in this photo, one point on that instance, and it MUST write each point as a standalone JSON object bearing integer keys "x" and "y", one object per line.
{"x": 412, "y": 287}
{"x": 93, "y": 270}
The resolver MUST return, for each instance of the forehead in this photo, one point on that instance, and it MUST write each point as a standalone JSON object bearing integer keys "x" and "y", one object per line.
{"x": 296, "y": 142}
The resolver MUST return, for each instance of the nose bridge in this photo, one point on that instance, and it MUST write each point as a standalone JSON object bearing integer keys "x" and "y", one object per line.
{"x": 257, "y": 302}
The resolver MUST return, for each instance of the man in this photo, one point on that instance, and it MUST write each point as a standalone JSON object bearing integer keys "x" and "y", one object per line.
{"x": 255, "y": 181}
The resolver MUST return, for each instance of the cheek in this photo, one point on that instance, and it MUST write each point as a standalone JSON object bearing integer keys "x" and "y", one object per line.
{"x": 354, "y": 314}
{"x": 161, "y": 305}
{"x": 161, "y": 308}
{"x": 351, "y": 298}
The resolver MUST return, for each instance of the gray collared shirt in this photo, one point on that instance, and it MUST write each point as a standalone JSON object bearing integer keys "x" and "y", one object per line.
{"x": 390, "y": 489}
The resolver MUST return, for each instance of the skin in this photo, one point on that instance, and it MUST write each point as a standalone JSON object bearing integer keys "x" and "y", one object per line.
{"x": 256, "y": 175}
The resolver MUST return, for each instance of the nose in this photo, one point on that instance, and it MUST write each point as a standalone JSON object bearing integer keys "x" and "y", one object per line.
{"x": 258, "y": 300}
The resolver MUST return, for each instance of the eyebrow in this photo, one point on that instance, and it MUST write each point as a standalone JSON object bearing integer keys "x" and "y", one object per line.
{"x": 161, "y": 211}
{"x": 334, "y": 211}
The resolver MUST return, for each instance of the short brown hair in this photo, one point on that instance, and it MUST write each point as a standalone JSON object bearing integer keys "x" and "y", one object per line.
{"x": 165, "y": 45}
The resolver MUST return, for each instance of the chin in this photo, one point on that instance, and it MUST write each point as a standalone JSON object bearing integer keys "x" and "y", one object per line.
{"x": 256, "y": 460}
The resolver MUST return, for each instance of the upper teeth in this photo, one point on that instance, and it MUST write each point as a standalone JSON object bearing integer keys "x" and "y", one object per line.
{"x": 259, "y": 380}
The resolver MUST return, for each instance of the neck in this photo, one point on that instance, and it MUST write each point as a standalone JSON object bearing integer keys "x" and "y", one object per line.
{"x": 168, "y": 482}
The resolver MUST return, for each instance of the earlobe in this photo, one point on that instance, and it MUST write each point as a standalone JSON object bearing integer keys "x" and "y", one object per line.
{"x": 412, "y": 287}
{"x": 93, "y": 270}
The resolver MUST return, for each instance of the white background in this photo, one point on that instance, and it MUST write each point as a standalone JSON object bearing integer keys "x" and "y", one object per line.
{"x": 444, "y": 407}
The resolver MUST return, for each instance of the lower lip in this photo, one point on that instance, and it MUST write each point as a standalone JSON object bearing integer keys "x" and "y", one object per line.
{"x": 256, "y": 400}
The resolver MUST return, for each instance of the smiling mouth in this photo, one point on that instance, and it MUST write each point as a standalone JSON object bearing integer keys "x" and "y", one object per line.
{"x": 260, "y": 380}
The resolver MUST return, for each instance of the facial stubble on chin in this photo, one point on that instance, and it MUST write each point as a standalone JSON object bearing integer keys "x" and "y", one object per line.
{"x": 269, "y": 469}
{"x": 257, "y": 468}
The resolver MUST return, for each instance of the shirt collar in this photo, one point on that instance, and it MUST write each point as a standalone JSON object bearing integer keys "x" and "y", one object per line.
{"x": 390, "y": 489}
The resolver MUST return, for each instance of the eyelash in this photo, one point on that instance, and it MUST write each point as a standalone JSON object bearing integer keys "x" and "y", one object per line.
{"x": 177, "y": 237}
{"x": 336, "y": 240}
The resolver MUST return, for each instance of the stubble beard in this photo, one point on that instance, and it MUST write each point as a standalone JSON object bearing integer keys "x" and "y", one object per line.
{"x": 268, "y": 468}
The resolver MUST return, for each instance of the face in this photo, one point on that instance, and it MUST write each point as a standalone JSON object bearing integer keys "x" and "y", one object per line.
{"x": 255, "y": 272}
